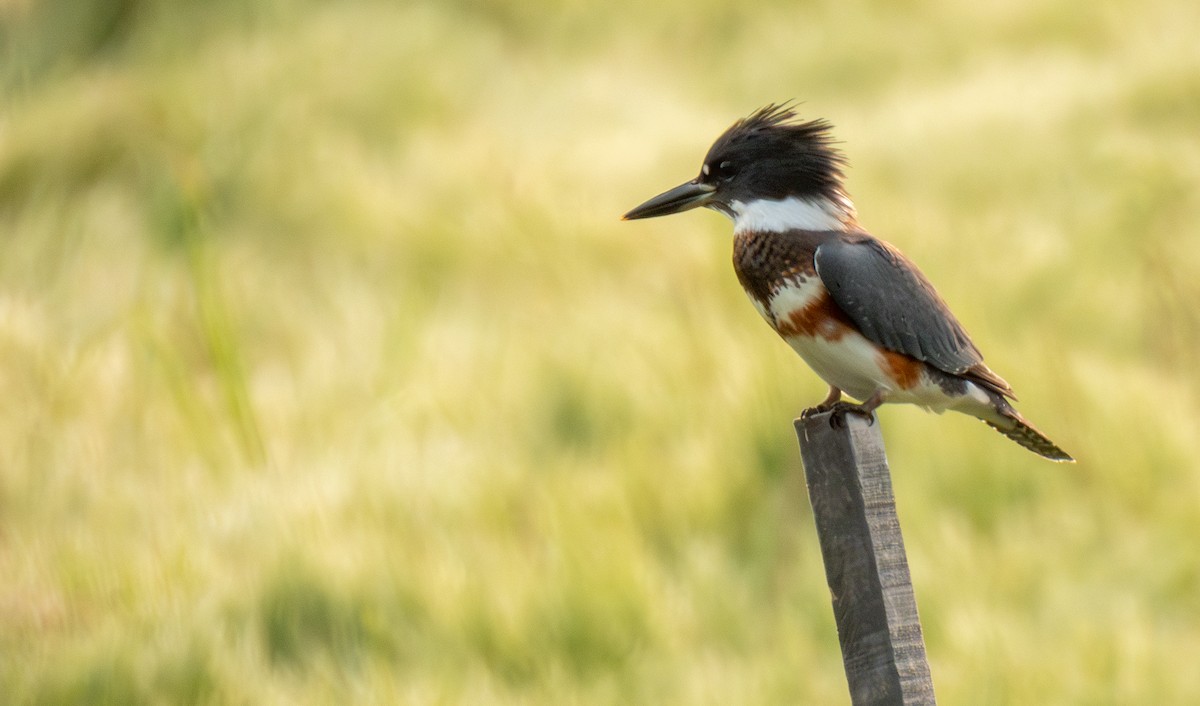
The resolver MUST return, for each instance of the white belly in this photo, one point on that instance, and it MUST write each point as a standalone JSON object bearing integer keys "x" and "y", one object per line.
{"x": 844, "y": 359}
{"x": 851, "y": 363}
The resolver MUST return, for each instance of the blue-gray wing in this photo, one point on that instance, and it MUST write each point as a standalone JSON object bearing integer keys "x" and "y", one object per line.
{"x": 893, "y": 304}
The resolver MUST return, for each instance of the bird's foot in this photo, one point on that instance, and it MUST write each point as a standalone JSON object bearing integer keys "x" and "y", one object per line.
{"x": 841, "y": 409}
{"x": 866, "y": 409}
{"x": 831, "y": 400}
{"x": 815, "y": 410}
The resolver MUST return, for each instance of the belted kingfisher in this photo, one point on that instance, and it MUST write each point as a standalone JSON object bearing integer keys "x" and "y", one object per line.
{"x": 856, "y": 310}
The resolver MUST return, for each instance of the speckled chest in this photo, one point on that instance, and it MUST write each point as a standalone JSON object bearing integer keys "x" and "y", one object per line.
{"x": 767, "y": 262}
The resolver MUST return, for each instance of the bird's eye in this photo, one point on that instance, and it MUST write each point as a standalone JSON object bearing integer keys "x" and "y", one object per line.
{"x": 719, "y": 170}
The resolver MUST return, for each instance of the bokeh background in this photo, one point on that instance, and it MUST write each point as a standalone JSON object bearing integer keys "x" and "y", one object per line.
{"x": 328, "y": 373}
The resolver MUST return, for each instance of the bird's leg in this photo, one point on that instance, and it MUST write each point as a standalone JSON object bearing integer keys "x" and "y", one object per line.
{"x": 866, "y": 409}
{"x": 826, "y": 404}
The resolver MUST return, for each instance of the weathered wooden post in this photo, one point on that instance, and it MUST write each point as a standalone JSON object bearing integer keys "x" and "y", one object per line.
{"x": 850, "y": 489}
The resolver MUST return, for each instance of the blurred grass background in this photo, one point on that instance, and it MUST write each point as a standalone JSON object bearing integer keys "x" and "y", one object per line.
{"x": 330, "y": 376}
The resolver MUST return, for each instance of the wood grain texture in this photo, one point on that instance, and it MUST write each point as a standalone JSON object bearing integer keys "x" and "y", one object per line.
{"x": 850, "y": 489}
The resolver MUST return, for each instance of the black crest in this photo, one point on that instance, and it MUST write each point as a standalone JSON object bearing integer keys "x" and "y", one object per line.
{"x": 779, "y": 155}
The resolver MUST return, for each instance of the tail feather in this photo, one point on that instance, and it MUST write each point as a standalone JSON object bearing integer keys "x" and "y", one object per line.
{"x": 1015, "y": 427}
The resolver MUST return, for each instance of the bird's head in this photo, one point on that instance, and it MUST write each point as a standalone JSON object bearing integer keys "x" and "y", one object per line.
{"x": 769, "y": 171}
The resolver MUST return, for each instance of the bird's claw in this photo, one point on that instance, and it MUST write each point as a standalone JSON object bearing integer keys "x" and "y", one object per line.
{"x": 815, "y": 410}
{"x": 840, "y": 409}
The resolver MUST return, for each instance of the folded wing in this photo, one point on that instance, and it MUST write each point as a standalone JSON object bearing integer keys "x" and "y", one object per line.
{"x": 895, "y": 306}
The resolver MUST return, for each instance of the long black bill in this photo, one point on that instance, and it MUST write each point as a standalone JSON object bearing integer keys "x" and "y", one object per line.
{"x": 681, "y": 198}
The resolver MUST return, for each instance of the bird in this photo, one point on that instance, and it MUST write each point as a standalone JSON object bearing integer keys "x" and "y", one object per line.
{"x": 860, "y": 313}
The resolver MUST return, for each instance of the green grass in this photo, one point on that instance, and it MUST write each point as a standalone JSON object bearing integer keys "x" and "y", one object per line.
{"x": 330, "y": 375}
